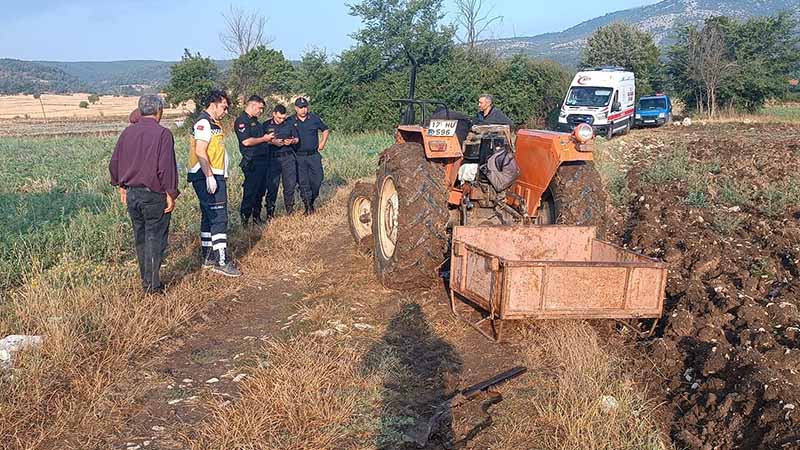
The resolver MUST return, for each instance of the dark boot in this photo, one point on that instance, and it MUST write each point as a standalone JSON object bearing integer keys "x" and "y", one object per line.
{"x": 225, "y": 266}
{"x": 209, "y": 258}
{"x": 245, "y": 220}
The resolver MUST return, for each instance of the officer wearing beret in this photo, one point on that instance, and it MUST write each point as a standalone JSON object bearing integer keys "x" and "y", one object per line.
{"x": 253, "y": 144}
{"x": 309, "y": 161}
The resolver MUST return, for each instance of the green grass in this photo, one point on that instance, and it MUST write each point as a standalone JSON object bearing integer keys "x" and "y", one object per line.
{"x": 58, "y": 204}
{"x": 789, "y": 112}
{"x": 673, "y": 167}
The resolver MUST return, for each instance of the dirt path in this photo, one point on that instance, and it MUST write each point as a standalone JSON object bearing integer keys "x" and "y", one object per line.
{"x": 207, "y": 365}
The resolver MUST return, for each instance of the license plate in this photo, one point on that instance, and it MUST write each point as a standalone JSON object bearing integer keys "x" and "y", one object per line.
{"x": 441, "y": 127}
{"x": 649, "y": 121}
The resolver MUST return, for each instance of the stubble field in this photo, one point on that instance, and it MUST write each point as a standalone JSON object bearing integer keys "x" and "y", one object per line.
{"x": 309, "y": 352}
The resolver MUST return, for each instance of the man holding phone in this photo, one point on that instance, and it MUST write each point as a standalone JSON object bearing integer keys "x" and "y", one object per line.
{"x": 283, "y": 164}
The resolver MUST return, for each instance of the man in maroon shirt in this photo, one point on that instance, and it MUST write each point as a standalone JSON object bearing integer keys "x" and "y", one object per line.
{"x": 143, "y": 167}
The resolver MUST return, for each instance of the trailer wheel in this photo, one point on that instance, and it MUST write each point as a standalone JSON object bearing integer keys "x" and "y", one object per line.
{"x": 409, "y": 218}
{"x": 359, "y": 215}
{"x": 578, "y": 196}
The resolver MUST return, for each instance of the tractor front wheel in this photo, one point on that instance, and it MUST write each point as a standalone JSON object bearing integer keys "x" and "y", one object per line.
{"x": 359, "y": 215}
{"x": 409, "y": 218}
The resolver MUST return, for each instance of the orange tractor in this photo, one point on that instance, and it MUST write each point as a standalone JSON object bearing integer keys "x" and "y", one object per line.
{"x": 434, "y": 178}
{"x": 511, "y": 220}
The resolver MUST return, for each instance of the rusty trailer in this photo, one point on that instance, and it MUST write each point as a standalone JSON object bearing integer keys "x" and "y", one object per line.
{"x": 551, "y": 272}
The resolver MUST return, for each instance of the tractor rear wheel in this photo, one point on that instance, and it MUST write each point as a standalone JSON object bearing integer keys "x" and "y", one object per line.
{"x": 578, "y": 196}
{"x": 409, "y": 218}
{"x": 359, "y": 215}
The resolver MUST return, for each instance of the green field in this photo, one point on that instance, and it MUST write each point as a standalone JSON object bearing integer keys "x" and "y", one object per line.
{"x": 790, "y": 112}
{"x": 58, "y": 205}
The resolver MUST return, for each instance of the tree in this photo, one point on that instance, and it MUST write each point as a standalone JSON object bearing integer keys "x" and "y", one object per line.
{"x": 709, "y": 64}
{"x": 396, "y": 30}
{"x": 83, "y": 104}
{"x": 620, "y": 44}
{"x": 243, "y": 31}
{"x": 732, "y": 64}
{"x": 767, "y": 54}
{"x": 261, "y": 70}
{"x": 93, "y": 98}
{"x": 191, "y": 79}
{"x": 474, "y": 20}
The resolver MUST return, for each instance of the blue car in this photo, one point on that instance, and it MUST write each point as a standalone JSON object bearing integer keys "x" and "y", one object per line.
{"x": 653, "y": 110}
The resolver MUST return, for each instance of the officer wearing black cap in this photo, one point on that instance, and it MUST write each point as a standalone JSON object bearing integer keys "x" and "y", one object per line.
{"x": 283, "y": 165}
{"x": 253, "y": 144}
{"x": 309, "y": 161}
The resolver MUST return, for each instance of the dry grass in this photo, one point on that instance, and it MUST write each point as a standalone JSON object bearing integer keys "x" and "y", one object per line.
{"x": 97, "y": 324}
{"x": 576, "y": 396}
{"x": 309, "y": 394}
{"x": 66, "y": 106}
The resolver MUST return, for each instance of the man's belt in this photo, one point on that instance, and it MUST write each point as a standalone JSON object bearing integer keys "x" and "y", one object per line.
{"x": 283, "y": 153}
{"x": 305, "y": 152}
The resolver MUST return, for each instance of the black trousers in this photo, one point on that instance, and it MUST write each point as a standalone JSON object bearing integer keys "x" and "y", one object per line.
{"x": 150, "y": 230}
{"x": 309, "y": 175}
{"x": 254, "y": 186}
{"x": 283, "y": 170}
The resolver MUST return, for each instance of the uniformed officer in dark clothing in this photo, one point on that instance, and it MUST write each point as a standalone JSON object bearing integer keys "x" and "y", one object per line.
{"x": 283, "y": 165}
{"x": 489, "y": 114}
{"x": 309, "y": 161}
{"x": 253, "y": 144}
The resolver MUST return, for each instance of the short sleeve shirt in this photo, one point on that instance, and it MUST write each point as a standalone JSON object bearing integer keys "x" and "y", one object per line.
{"x": 284, "y": 130}
{"x": 247, "y": 127}
{"x": 208, "y": 130}
{"x": 308, "y": 132}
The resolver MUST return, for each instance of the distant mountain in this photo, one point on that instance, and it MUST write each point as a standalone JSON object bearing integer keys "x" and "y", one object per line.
{"x": 661, "y": 19}
{"x": 134, "y": 77}
{"x": 118, "y": 77}
{"x": 29, "y": 77}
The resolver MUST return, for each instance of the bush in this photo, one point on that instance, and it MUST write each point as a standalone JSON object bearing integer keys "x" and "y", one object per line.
{"x": 93, "y": 98}
{"x": 84, "y": 104}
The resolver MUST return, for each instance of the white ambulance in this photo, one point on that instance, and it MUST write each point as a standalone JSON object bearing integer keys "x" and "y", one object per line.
{"x": 603, "y": 97}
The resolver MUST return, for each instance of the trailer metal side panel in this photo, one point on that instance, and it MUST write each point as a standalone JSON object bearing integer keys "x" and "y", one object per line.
{"x": 596, "y": 280}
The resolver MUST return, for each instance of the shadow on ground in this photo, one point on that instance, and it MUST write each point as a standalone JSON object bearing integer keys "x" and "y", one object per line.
{"x": 420, "y": 369}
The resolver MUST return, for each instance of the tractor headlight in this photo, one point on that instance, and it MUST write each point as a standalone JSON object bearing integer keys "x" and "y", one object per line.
{"x": 661, "y": 115}
{"x": 563, "y": 113}
{"x": 583, "y": 133}
{"x": 638, "y": 116}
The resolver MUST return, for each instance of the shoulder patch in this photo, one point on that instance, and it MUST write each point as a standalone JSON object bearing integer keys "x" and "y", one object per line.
{"x": 241, "y": 126}
{"x": 200, "y": 127}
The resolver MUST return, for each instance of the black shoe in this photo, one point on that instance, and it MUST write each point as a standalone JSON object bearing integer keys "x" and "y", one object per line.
{"x": 257, "y": 220}
{"x": 245, "y": 220}
{"x": 161, "y": 290}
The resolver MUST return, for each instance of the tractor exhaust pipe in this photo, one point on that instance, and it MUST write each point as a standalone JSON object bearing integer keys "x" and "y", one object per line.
{"x": 409, "y": 117}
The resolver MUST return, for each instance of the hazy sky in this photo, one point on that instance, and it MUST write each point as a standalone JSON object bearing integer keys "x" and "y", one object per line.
{"x": 94, "y": 30}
